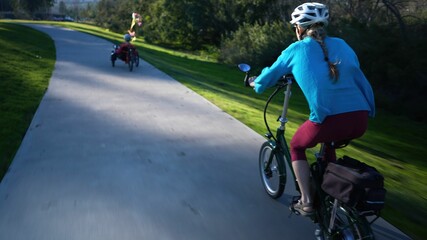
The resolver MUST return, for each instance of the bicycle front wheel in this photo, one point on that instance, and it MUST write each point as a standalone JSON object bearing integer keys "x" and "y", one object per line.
{"x": 131, "y": 61}
{"x": 272, "y": 170}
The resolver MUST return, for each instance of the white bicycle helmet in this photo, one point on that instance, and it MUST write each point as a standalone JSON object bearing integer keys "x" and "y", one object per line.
{"x": 309, "y": 13}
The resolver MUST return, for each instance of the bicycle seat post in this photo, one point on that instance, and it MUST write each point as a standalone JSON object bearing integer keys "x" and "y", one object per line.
{"x": 321, "y": 153}
{"x": 283, "y": 119}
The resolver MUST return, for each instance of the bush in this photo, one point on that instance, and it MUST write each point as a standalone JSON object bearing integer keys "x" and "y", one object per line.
{"x": 394, "y": 64}
{"x": 257, "y": 45}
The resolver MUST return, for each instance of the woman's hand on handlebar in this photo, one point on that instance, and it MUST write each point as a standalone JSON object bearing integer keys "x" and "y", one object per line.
{"x": 251, "y": 81}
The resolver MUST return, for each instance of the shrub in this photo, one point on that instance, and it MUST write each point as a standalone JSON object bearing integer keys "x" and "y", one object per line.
{"x": 257, "y": 45}
{"x": 394, "y": 64}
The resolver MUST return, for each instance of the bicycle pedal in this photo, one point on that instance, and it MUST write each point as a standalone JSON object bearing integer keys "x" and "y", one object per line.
{"x": 293, "y": 211}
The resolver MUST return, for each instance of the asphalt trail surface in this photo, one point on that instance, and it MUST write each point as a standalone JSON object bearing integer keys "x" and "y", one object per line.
{"x": 113, "y": 154}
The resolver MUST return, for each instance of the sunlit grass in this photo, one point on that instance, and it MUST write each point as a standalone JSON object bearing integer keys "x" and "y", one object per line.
{"x": 393, "y": 144}
{"x": 27, "y": 60}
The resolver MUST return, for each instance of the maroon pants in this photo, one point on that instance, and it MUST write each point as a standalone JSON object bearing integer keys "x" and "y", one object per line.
{"x": 335, "y": 128}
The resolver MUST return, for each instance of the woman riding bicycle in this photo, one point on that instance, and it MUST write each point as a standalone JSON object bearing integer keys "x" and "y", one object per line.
{"x": 339, "y": 96}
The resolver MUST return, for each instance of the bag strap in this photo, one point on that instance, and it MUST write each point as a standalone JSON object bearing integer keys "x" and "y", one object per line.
{"x": 355, "y": 164}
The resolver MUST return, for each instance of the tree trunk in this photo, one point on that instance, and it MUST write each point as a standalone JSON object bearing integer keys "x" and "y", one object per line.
{"x": 395, "y": 11}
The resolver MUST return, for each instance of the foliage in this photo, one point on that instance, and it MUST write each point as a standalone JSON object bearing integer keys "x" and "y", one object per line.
{"x": 178, "y": 23}
{"x": 191, "y": 24}
{"x": 62, "y": 7}
{"x": 30, "y": 6}
{"x": 393, "y": 65}
{"x": 256, "y": 44}
{"x": 5, "y": 5}
{"x": 117, "y": 15}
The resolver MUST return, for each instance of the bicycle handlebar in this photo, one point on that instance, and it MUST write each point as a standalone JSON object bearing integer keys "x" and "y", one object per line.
{"x": 285, "y": 81}
{"x": 248, "y": 81}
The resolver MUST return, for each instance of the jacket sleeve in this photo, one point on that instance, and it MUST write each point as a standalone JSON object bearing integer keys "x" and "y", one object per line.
{"x": 270, "y": 75}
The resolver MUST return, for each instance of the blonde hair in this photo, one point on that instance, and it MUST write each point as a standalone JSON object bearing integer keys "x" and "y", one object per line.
{"x": 318, "y": 33}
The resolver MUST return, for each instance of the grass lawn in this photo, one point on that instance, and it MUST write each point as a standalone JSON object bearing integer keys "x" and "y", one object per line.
{"x": 393, "y": 144}
{"x": 27, "y": 61}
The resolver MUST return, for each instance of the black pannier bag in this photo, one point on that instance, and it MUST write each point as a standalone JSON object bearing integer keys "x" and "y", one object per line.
{"x": 355, "y": 183}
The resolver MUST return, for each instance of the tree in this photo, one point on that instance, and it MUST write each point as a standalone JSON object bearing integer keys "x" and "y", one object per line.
{"x": 62, "y": 7}
{"x": 193, "y": 23}
{"x": 31, "y": 6}
{"x": 185, "y": 23}
{"x": 256, "y": 44}
{"x": 88, "y": 13}
{"x": 105, "y": 11}
{"x": 117, "y": 15}
{"x": 381, "y": 12}
{"x": 5, "y": 6}
{"x": 393, "y": 7}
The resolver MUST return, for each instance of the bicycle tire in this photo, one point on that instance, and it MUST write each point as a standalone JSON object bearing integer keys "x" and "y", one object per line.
{"x": 137, "y": 60}
{"x": 113, "y": 60}
{"x": 273, "y": 178}
{"x": 349, "y": 225}
{"x": 130, "y": 62}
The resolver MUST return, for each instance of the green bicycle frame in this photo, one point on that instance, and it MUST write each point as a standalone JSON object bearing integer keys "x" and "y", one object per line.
{"x": 279, "y": 144}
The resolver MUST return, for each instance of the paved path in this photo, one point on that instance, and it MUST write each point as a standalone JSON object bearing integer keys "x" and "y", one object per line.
{"x": 113, "y": 154}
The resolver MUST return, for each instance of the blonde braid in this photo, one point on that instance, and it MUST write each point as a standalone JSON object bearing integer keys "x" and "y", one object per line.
{"x": 318, "y": 33}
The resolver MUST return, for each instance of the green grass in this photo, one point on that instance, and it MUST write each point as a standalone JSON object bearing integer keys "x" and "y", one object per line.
{"x": 393, "y": 144}
{"x": 27, "y": 60}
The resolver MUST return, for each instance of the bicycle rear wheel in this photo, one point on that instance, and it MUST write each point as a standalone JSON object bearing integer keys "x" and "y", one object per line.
{"x": 348, "y": 225}
{"x": 272, "y": 170}
{"x": 136, "y": 59}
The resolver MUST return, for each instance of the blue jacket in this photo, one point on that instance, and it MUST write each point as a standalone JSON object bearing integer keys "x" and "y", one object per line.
{"x": 306, "y": 61}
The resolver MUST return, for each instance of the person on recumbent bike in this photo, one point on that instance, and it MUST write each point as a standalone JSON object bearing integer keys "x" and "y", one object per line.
{"x": 122, "y": 50}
